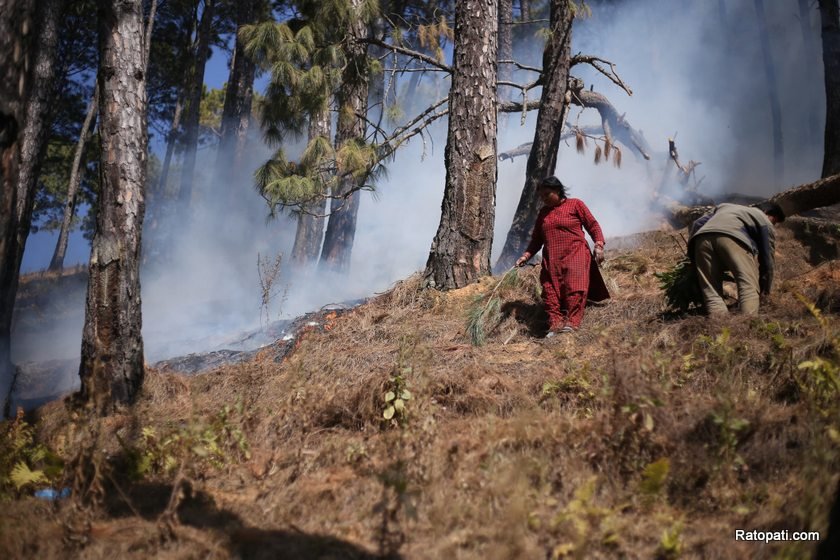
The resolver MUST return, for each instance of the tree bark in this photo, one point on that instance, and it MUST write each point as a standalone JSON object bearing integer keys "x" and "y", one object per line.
{"x": 830, "y": 18}
{"x": 239, "y": 95}
{"x": 30, "y": 151}
{"x": 193, "y": 110}
{"x": 773, "y": 93}
{"x": 505, "y": 47}
{"x": 460, "y": 252}
{"x": 351, "y": 99}
{"x": 310, "y": 225}
{"x": 525, "y": 9}
{"x": 111, "y": 367}
{"x": 554, "y": 106}
{"x": 57, "y": 261}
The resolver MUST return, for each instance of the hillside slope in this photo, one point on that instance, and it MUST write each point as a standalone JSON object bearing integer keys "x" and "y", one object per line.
{"x": 640, "y": 436}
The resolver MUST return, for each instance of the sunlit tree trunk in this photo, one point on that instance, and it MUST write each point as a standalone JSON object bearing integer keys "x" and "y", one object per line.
{"x": 351, "y": 99}
{"x": 460, "y": 252}
{"x": 505, "y": 46}
{"x": 112, "y": 367}
{"x": 830, "y": 17}
{"x": 60, "y": 251}
{"x": 554, "y": 107}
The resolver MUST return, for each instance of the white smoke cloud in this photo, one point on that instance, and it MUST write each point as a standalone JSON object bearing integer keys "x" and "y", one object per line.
{"x": 688, "y": 77}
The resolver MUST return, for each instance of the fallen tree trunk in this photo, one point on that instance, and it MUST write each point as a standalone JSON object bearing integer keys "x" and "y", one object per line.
{"x": 825, "y": 192}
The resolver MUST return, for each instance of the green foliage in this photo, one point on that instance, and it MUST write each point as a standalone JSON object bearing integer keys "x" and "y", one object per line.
{"x": 680, "y": 286}
{"x": 24, "y": 463}
{"x": 730, "y": 430}
{"x": 654, "y": 478}
{"x": 820, "y": 376}
{"x": 585, "y": 524}
{"x": 397, "y": 397}
{"x": 196, "y": 446}
{"x": 670, "y": 544}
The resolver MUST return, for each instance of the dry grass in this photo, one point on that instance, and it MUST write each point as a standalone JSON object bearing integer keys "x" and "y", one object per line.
{"x": 521, "y": 448}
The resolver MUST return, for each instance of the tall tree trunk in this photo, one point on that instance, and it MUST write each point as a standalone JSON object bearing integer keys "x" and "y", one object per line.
{"x": 16, "y": 21}
{"x": 505, "y": 47}
{"x": 111, "y": 367}
{"x": 34, "y": 141}
{"x": 525, "y": 10}
{"x": 811, "y": 53}
{"x": 554, "y": 107}
{"x": 310, "y": 225}
{"x": 236, "y": 115}
{"x": 193, "y": 113}
{"x": 830, "y": 17}
{"x": 172, "y": 138}
{"x": 773, "y": 93}
{"x": 57, "y": 261}
{"x": 351, "y": 99}
{"x": 460, "y": 252}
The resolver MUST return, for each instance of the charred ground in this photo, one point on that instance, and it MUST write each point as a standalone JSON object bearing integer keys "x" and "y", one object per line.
{"x": 643, "y": 435}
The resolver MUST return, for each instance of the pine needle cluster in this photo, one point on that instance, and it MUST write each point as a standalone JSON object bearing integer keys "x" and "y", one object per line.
{"x": 485, "y": 312}
{"x": 680, "y": 286}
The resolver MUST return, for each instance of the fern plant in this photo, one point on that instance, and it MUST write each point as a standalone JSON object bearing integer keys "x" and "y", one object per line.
{"x": 24, "y": 463}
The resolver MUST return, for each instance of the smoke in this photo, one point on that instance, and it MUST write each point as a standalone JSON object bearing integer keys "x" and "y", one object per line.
{"x": 691, "y": 76}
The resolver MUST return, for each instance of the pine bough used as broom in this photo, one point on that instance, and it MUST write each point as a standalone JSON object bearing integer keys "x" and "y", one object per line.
{"x": 485, "y": 313}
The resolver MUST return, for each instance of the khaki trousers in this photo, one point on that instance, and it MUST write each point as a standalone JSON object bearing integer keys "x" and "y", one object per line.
{"x": 716, "y": 253}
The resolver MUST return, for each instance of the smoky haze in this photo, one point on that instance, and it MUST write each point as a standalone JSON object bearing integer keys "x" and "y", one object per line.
{"x": 694, "y": 71}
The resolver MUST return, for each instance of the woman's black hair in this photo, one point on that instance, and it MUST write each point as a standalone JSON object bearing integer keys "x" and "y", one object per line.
{"x": 554, "y": 184}
{"x": 772, "y": 209}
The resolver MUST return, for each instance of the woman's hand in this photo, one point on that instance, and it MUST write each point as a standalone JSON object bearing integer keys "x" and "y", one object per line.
{"x": 599, "y": 254}
{"x": 522, "y": 260}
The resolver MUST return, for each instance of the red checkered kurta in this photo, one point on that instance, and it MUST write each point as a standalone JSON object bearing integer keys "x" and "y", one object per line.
{"x": 566, "y": 259}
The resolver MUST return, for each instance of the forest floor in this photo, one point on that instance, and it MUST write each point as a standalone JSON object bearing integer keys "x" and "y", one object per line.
{"x": 643, "y": 435}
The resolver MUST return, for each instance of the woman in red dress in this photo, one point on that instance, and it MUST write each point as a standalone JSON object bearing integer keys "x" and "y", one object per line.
{"x": 567, "y": 267}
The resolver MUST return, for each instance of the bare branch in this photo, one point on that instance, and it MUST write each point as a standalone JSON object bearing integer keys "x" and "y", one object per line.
{"x": 408, "y": 52}
{"x": 522, "y": 66}
{"x": 596, "y": 63}
{"x": 516, "y": 107}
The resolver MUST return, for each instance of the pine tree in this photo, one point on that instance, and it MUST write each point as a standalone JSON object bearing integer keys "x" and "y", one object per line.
{"x": 830, "y": 17}
{"x": 460, "y": 252}
{"x": 112, "y": 367}
{"x": 551, "y": 117}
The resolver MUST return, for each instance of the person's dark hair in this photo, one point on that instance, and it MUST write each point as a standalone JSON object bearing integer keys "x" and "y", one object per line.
{"x": 772, "y": 209}
{"x": 554, "y": 184}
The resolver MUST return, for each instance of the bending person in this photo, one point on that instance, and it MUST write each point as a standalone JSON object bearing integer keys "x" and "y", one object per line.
{"x": 741, "y": 240}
